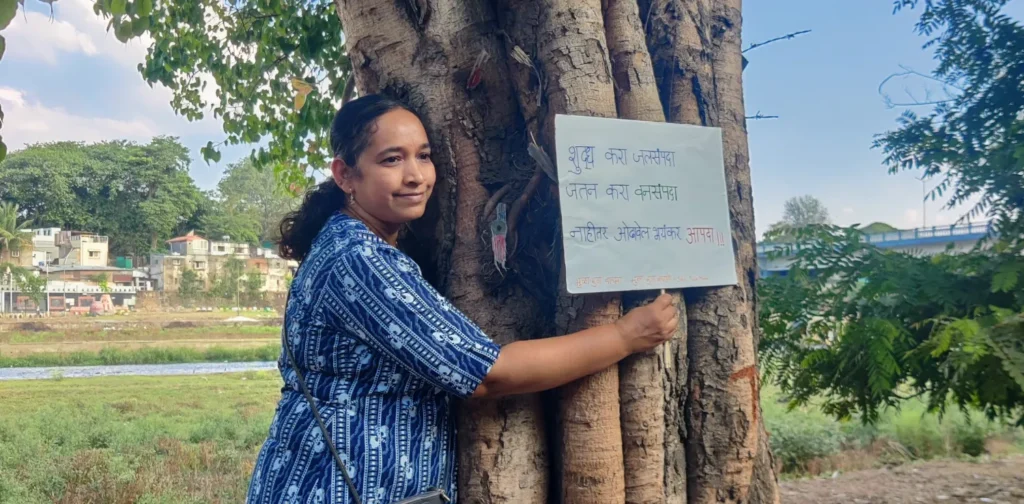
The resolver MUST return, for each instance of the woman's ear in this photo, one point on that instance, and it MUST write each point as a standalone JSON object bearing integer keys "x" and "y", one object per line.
{"x": 342, "y": 174}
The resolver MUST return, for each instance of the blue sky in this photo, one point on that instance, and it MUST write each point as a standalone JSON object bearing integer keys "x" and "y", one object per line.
{"x": 71, "y": 80}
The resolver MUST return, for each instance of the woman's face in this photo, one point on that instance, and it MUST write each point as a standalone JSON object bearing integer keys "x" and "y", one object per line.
{"x": 394, "y": 175}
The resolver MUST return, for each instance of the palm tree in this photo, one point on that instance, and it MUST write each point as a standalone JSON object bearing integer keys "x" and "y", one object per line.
{"x": 13, "y": 234}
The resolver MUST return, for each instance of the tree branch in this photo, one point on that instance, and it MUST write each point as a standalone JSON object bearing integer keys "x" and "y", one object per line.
{"x": 914, "y": 102}
{"x": 776, "y": 39}
{"x": 759, "y": 116}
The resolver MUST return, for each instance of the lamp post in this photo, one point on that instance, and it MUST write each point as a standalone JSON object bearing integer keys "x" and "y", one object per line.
{"x": 46, "y": 278}
{"x": 6, "y": 282}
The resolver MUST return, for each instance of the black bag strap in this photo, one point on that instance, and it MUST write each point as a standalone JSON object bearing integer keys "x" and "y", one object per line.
{"x": 316, "y": 414}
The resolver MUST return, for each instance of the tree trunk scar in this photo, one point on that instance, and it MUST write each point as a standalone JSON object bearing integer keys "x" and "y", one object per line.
{"x": 750, "y": 373}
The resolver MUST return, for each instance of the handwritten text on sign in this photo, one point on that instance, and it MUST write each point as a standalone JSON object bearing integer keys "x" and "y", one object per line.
{"x": 643, "y": 205}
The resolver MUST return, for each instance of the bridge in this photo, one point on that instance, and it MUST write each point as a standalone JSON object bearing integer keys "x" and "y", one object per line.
{"x": 921, "y": 241}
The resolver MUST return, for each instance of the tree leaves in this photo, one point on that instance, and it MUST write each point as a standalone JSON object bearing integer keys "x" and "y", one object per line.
{"x": 249, "y": 52}
{"x": 302, "y": 88}
{"x": 138, "y": 194}
{"x": 210, "y": 153}
{"x": 3, "y": 46}
{"x": 118, "y": 7}
{"x": 855, "y": 324}
{"x": 1006, "y": 277}
{"x": 8, "y": 9}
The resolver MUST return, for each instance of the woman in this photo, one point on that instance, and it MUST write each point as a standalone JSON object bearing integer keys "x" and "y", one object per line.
{"x": 383, "y": 354}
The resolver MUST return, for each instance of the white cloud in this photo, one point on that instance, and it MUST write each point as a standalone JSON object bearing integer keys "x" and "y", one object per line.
{"x": 848, "y": 211}
{"x": 28, "y": 122}
{"x": 135, "y": 111}
{"x": 33, "y": 36}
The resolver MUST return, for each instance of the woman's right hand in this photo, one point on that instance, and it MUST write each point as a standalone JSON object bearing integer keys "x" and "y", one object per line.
{"x": 646, "y": 327}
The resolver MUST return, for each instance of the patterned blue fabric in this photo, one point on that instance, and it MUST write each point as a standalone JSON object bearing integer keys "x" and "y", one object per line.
{"x": 383, "y": 354}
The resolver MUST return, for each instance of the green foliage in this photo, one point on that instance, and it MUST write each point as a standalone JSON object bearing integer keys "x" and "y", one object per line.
{"x": 13, "y": 229}
{"x": 248, "y": 205}
{"x": 971, "y": 142}
{"x": 227, "y": 283}
{"x": 801, "y": 434}
{"x": 138, "y": 194}
{"x": 249, "y": 52}
{"x": 191, "y": 286}
{"x": 102, "y": 281}
{"x": 798, "y": 212}
{"x": 114, "y": 356}
{"x": 254, "y": 287}
{"x": 189, "y": 439}
{"x": 31, "y": 285}
{"x": 855, "y": 323}
{"x": 877, "y": 228}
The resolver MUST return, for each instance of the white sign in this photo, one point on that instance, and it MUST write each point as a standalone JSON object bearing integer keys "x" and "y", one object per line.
{"x": 643, "y": 205}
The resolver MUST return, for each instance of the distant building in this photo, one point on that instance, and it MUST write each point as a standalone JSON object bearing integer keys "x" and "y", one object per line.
{"x": 44, "y": 245}
{"x": 22, "y": 257}
{"x": 226, "y": 247}
{"x": 69, "y": 248}
{"x": 189, "y": 245}
{"x": 921, "y": 241}
{"x": 208, "y": 258}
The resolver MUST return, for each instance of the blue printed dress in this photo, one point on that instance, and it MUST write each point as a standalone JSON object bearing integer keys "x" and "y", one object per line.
{"x": 384, "y": 355}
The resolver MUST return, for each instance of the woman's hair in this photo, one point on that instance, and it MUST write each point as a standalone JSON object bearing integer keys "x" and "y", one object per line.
{"x": 353, "y": 126}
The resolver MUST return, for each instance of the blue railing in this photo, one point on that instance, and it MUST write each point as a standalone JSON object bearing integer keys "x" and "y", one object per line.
{"x": 970, "y": 231}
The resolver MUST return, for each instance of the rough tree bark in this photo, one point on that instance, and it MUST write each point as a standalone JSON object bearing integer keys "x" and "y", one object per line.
{"x": 696, "y": 48}
{"x": 650, "y": 384}
{"x": 425, "y": 52}
{"x": 577, "y": 59}
{"x": 568, "y": 40}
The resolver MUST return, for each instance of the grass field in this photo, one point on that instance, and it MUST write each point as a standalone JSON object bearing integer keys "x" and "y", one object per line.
{"x": 133, "y": 439}
{"x": 127, "y": 332}
{"x": 148, "y": 355}
{"x": 130, "y": 343}
{"x": 193, "y": 439}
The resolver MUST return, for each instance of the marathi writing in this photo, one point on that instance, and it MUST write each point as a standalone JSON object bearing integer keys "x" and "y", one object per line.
{"x": 621, "y": 192}
{"x": 589, "y": 233}
{"x": 655, "y": 157}
{"x": 618, "y": 191}
{"x": 581, "y": 157}
{"x": 616, "y": 156}
{"x": 581, "y": 191}
{"x": 639, "y": 233}
{"x": 705, "y": 235}
{"x": 658, "y": 192}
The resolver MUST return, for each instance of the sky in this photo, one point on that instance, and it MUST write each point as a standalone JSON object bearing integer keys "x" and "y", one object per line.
{"x": 68, "y": 79}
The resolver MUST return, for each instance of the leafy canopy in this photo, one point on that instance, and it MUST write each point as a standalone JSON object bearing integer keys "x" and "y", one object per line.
{"x": 138, "y": 194}
{"x": 859, "y": 325}
{"x": 277, "y": 69}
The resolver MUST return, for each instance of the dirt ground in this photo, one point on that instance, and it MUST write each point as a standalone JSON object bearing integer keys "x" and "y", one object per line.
{"x": 999, "y": 481}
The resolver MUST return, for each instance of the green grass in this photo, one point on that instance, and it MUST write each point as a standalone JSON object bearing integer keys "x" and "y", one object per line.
{"x": 133, "y": 439}
{"x": 192, "y": 439}
{"x": 146, "y": 334}
{"x": 805, "y": 440}
{"x": 174, "y": 355}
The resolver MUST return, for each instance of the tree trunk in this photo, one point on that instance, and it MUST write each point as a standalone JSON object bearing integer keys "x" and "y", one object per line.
{"x": 425, "y": 52}
{"x": 569, "y": 40}
{"x": 649, "y": 384}
{"x": 696, "y": 47}
{"x": 689, "y": 428}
